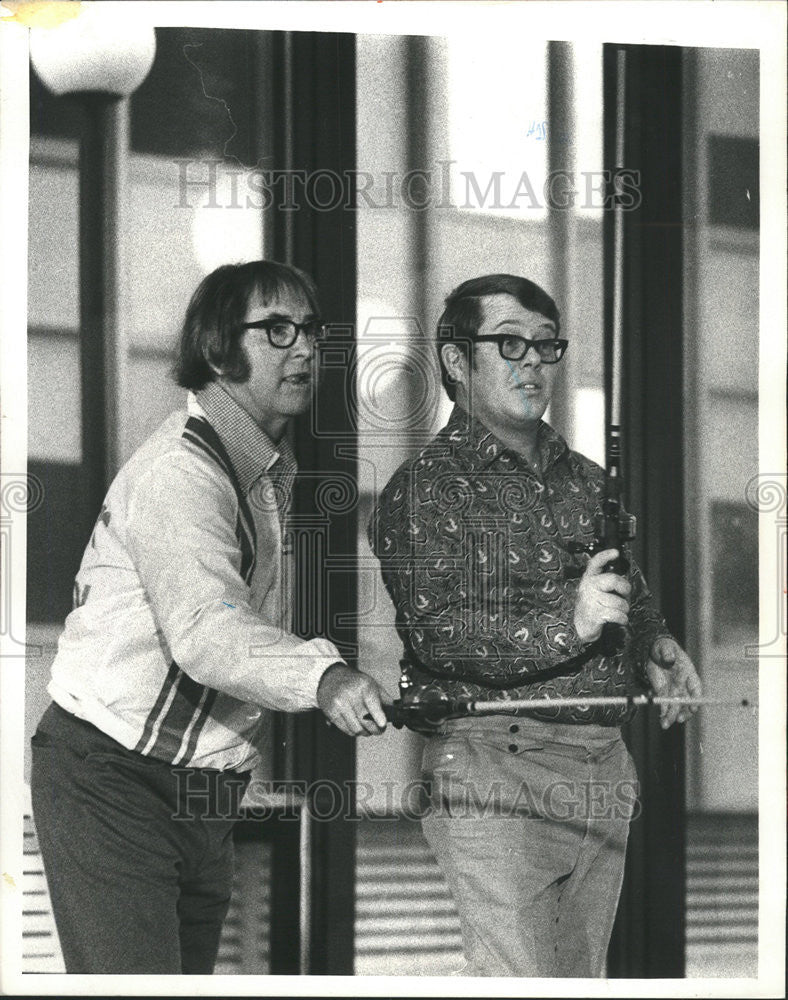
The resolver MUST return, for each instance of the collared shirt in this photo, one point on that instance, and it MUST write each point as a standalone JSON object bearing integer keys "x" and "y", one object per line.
{"x": 479, "y": 554}
{"x": 250, "y": 450}
{"x": 180, "y": 636}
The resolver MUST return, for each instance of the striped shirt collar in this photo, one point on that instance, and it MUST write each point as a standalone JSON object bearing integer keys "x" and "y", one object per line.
{"x": 250, "y": 449}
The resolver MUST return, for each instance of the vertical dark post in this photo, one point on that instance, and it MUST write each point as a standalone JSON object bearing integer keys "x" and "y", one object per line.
{"x": 314, "y": 132}
{"x": 418, "y": 86}
{"x": 99, "y": 180}
{"x": 561, "y": 164}
{"x": 649, "y": 936}
{"x": 261, "y": 60}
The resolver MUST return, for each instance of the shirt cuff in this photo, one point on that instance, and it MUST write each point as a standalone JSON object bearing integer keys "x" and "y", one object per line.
{"x": 325, "y": 654}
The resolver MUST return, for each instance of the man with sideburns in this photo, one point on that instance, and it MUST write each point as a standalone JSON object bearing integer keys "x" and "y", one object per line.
{"x": 480, "y": 540}
{"x": 180, "y": 641}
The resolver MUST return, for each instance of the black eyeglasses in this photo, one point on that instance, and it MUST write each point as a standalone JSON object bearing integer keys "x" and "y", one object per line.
{"x": 283, "y": 333}
{"x": 512, "y": 348}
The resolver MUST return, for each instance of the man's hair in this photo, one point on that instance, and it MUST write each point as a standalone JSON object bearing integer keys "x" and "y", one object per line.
{"x": 463, "y": 313}
{"x": 212, "y": 328}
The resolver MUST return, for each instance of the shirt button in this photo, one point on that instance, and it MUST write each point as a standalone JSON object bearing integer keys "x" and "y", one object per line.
{"x": 512, "y": 748}
{"x": 514, "y": 728}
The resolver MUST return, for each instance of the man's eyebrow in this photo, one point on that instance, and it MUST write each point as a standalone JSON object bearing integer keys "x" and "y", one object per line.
{"x": 279, "y": 317}
{"x": 547, "y": 325}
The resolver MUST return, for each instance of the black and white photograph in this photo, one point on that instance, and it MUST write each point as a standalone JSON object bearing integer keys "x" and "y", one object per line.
{"x": 350, "y": 630}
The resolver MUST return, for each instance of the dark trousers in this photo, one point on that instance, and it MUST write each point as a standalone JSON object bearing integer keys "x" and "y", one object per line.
{"x": 138, "y": 853}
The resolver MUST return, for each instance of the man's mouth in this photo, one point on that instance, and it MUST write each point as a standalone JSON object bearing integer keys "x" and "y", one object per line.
{"x": 298, "y": 378}
{"x": 533, "y": 386}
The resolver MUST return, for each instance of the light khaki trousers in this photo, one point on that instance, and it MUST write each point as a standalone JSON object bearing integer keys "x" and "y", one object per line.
{"x": 529, "y": 823}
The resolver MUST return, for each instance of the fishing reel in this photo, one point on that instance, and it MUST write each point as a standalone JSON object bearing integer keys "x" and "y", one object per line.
{"x": 422, "y": 709}
{"x": 606, "y": 537}
{"x": 614, "y": 529}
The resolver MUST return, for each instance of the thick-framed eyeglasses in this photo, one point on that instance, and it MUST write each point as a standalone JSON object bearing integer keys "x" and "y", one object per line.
{"x": 512, "y": 348}
{"x": 283, "y": 333}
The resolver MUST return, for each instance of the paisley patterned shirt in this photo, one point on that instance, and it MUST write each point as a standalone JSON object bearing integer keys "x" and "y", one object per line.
{"x": 480, "y": 556}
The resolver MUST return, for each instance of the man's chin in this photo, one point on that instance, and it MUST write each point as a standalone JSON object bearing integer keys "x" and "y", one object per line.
{"x": 527, "y": 412}
{"x": 295, "y": 407}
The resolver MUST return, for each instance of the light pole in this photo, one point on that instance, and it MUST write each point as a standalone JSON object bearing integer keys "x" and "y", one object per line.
{"x": 98, "y": 59}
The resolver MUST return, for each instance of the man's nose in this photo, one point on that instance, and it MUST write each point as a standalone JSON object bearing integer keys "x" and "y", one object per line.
{"x": 531, "y": 356}
{"x": 302, "y": 346}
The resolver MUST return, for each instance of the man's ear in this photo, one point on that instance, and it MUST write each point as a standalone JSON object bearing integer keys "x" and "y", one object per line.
{"x": 455, "y": 363}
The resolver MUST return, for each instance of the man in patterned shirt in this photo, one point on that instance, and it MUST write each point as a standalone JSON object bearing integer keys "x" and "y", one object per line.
{"x": 480, "y": 540}
{"x": 180, "y": 642}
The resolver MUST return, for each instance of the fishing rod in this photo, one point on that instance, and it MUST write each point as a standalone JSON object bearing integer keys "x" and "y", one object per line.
{"x": 615, "y": 528}
{"x": 426, "y": 710}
